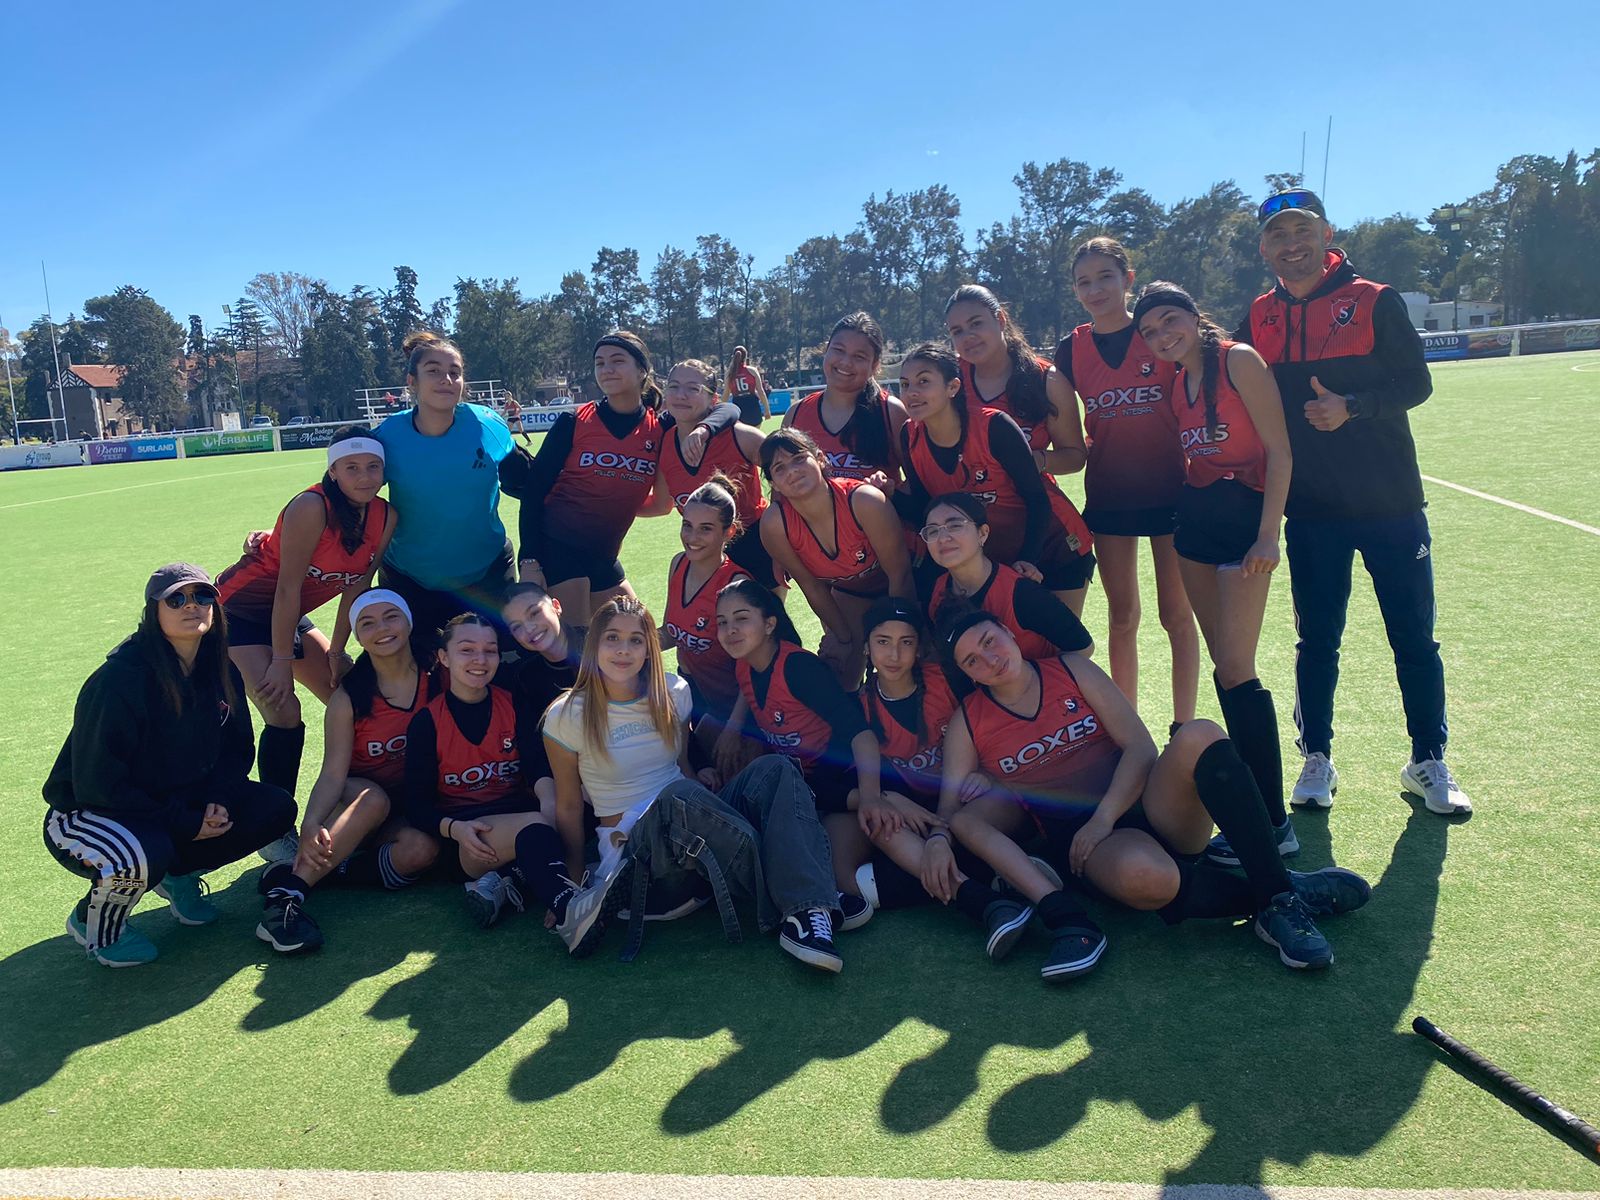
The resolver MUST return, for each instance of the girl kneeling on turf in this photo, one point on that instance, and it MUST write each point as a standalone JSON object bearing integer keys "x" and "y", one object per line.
{"x": 1055, "y": 746}
{"x": 151, "y": 787}
{"x": 353, "y": 826}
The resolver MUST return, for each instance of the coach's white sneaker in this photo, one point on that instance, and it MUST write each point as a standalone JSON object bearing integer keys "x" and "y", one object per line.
{"x": 1317, "y": 783}
{"x": 1432, "y": 780}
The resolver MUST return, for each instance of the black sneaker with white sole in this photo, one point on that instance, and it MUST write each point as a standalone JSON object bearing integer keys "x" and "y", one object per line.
{"x": 1331, "y": 891}
{"x": 1005, "y": 920}
{"x": 672, "y": 897}
{"x": 286, "y": 926}
{"x": 809, "y": 937}
{"x": 854, "y": 912}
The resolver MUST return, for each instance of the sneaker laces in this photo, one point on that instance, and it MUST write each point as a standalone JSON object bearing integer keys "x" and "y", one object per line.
{"x": 1434, "y": 773}
{"x": 821, "y": 923}
{"x": 1318, "y": 768}
{"x": 1301, "y": 918}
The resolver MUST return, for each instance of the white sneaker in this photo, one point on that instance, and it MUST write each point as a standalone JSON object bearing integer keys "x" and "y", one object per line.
{"x": 1317, "y": 784}
{"x": 1432, "y": 780}
{"x": 283, "y": 850}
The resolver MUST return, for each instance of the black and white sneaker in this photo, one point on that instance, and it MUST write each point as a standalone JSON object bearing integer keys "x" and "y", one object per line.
{"x": 286, "y": 926}
{"x": 589, "y": 908}
{"x": 1005, "y": 920}
{"x": 490, "y": 895}
{"x": 672, "y": 897}
{"x": 854, "y": 912}
{"x": 809, "y": 937}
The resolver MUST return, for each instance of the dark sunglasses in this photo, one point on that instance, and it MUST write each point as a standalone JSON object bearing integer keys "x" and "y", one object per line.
{"x": 203, "y": 596}
{"x": 1288, "y": 201}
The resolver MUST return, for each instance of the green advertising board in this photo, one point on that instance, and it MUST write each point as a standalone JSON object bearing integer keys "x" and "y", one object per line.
{"x": 226, "y": 441}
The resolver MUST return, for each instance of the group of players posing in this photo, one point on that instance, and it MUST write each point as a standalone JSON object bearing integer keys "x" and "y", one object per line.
{"x": 950, "y": 739}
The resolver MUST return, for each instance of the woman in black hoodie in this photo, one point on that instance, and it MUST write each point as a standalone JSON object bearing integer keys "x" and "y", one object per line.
{"x": 150, "y": 789}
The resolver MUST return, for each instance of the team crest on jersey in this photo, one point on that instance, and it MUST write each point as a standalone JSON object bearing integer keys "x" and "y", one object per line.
{"x": 700, "y": 622}
{"x": 1070, "y": 703}
{"x": 649, "y": 444}
{"x": 1344, "y": 310}
{"x": 777, "y": 716}
{"x": 861, "y": 556}
{"x": 1147, "y": 368}
{"x": 981, "y": 475}
{"x": 507, "y": 745}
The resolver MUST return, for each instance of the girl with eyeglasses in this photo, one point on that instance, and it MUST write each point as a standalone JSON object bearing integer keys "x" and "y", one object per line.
{"x": 151, "y": 789}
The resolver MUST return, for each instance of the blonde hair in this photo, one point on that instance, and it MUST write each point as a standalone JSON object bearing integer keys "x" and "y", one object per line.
{"x": 591, "y": 685}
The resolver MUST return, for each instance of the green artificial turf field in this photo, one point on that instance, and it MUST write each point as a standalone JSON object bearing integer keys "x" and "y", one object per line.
{"x": 417, "y": 1041}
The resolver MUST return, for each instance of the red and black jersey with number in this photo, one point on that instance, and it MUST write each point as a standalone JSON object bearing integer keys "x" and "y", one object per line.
{"x": 1228, "y": 449}
{"x": 744, "y": 382}
{"x": 691, "y": 624}
{"x": 722, "y": 453}
{"x": 916, "y": 758}
{"x": 604, "y": 481}
{"x": 472, "y": 774}
{"x": 998, "y": 599}
{"x": 843, "y": 463}
{"x": 1060, "y": 754}
{"x": 378, "y": 751}
{"x": 854, "y": 565}
{"x": 248, "y": 587}
{"x": 788, "y": 726}
{"x": 1037, "y": 432}
{"x": 980, "y": 473}
{"x": 1134, "y": 459}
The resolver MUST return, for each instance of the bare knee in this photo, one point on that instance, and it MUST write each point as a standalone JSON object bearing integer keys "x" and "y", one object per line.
{"x": 370, "y": 808}
{"x": 413, "y": 851}
{"x": 1123, "y": 616}
{"x": 280, "y": 716}
{"x": 1175, "y": 613}
{"x": 1148, "y": 882}
{"x": 1193, "y": 737}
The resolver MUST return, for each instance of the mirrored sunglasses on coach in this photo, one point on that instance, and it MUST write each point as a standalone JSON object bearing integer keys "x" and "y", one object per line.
{"x": 203, "y": 596}
{"x": 1299, "y": 199}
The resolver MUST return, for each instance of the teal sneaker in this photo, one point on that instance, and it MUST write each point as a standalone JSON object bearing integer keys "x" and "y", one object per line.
{"x": 132, "y": 949}
{"x": 185, "y": 895}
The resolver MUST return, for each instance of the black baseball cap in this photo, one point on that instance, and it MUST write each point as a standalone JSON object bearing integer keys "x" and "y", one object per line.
{"x": 1289, "y": 200}
{"x": 173, "y": 576}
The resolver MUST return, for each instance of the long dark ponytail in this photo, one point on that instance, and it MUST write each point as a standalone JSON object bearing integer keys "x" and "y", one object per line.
{"x": 350, "y": 520}
{"x": 1162, "y": 293}
{"x": 1027, "y": 390}
{"x": 360, "y": 682}
{"x": 767, "y": 604}
{"x": 867, "y": 434}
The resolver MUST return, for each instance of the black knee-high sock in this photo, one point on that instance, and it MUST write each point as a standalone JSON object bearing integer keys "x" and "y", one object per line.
{"x": 1064, "y": 909}
{"x": 280, "y": 877}
{"x": 973, "y": 898}
{"x": 540, "y": 865}
{"x": 278, "y": 758}
{"x": 1252, "y": 723}
{"x": 1205, "y": 891}
{"x": 1228, "y": 790}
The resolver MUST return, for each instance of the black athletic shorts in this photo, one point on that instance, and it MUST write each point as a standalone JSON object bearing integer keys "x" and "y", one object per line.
{"x": 1069, "y": 573}
{"x": 432, "y": 607}
{"x": 1217, "y": 524}
{"x": 247, "y": 629}
{"x": 1059, "y": 825}
{"x": 562, "y": 562}
{"x": 749, "y": 408}
{"x": 748, "y": 551}
{"x": 1131, "y": 522}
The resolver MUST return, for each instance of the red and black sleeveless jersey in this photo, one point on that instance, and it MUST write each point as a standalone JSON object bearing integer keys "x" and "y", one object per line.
{"x": 854, "y": 564}
{"x": 743, "y": 382}
{"x": 1233, "y": 449}
{"x": 788, "y": 726}
{"x": 842, "y": 461}
{"x": 691, "y": 624}
{"x": 1060, "y": 754}
{"x": 979, "y": 472}
{"x": 1134, "y": 458}
{"x": 250, "y": 584}
{"x": 723, "y": 454}
{"x": 998, "y": 599}
{"x": 378, "y": 751}
{"x": 603, "y": 482}
{"x": 1037, "y": 432}
{"x": 476, "y": 773}
{"x": 917, "y": 759}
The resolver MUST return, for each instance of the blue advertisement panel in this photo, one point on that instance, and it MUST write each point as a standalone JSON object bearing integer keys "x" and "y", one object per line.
{"x": 1440, "y": 347}
{"x": 133, "y": 449}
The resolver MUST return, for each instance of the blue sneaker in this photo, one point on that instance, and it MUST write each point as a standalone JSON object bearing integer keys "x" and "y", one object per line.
{"x": 185, "y": 895}
{"x": 132, "y": 949}
{"x": 1220, "y": 852}
{"x": 1331, "y": 891}
{"x": 1286, "y": 924}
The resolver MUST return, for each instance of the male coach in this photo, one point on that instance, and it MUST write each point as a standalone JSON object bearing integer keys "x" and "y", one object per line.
{"x": 1349, "y": 366}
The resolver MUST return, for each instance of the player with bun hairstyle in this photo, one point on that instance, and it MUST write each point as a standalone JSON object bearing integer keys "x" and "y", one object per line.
{"x": 353, "y": 829}
{"x": 735, "y": 452}
{"x": 594, "y": 473}
{"x": 1135, "y": 471}
{"x": 746, "y": 389}
{"x": 1231, "y": 427}
{"x": 855, "y": 421}
{"x": 950, "y": 445}
{"x": 445, "y": 462}
{"x": 836, "y": 537}
{"x": 1000, "y": 370}
{"x": 327, "y": 542}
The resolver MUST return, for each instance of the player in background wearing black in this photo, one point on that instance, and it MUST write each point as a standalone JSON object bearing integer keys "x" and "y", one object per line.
{"x": 1350, "y": 367}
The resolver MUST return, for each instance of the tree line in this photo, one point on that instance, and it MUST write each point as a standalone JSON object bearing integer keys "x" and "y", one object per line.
{"x": 1530, "y": 241}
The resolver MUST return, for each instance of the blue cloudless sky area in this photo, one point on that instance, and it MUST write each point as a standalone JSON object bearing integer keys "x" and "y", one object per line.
{"x": 184, "y": 147}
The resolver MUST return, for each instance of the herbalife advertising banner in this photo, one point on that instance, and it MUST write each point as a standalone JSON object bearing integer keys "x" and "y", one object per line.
{"x": 232, "y": 441}
{"x": 133, "y": 449}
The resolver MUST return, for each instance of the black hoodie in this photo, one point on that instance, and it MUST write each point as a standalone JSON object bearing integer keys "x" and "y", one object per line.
{"x": 128, "y": 752}
{"x": 1356, "y": 337}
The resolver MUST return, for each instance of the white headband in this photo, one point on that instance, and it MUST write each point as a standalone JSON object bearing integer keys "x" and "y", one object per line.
{"x": 354, "y": 445}
{"x": 380, "y": 596}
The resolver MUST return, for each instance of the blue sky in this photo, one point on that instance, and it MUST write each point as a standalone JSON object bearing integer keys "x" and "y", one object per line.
{"x": 185, "y": 147}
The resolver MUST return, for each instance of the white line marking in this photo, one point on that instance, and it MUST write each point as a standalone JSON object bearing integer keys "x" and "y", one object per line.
{"x": 173, "y": 1184}
{"x": 1537, "y": 512}
{"x": 133, "y": 487}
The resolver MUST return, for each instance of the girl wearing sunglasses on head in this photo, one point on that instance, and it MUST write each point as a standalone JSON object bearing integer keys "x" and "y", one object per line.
{"x": 151, "y": 789}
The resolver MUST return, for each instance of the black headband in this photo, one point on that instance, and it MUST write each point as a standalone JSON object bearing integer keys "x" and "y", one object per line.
{"x": 892, "y": 608}
{"x": 622, "y": 343}
{"x": 970, "y": 620}
{"x": 1162, "y": 298}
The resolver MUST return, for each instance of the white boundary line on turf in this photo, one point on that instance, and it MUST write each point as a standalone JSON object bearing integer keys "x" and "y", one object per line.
{"x": 139, "y": 1183}
{"x": 1537, "y": 512}
{"x": 133, "y": 487}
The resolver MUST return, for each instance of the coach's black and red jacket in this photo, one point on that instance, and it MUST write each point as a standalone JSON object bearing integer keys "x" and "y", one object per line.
{"x": 1357, "y": 339}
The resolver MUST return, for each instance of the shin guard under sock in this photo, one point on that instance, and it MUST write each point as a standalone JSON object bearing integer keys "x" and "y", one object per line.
{"x": 278, "y": 757}
{"x": 541, "y": 862}
{"x": 973, "y": 898}
{"x": 1063, "y": 909}
{"x": 1252, "y": 722}
{"x": 1205, "y": 891}
{"x": 1228, "y": 790}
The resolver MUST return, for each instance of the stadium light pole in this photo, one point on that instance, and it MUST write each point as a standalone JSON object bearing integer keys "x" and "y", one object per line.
{"x": 238, "y": 387}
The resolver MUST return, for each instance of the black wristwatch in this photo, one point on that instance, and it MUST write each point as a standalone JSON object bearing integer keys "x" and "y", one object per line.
{"x": 1352, "y": 405}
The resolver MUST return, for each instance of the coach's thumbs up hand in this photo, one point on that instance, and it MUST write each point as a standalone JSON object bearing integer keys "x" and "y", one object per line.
{"x": 1328, "y": 411}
